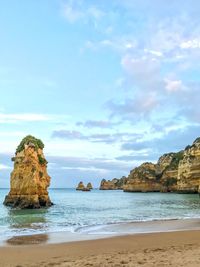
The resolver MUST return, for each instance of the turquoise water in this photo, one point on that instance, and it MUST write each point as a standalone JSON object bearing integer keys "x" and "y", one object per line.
{"x": 74, "y": 210}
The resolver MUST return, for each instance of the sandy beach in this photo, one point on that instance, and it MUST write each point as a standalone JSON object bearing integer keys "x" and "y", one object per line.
{"x": 180, "y": 248}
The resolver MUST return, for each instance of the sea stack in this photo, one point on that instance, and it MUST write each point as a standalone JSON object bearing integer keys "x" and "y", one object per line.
{"x": 80, "y": 186}
{"x": 89, "y": 186}
{"x": 29, "y": 180}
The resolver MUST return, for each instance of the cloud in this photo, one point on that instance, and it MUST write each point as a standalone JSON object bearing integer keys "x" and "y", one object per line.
{"x": 72, "y": 14}
{"x": 170, "y": 141}
{"x": 190, "y": 44}
{"x": 132, "y": 108}
{"x": 108, "y": 138}
{"x": 173, "y": 86}
{"x": 15, "y": 118}
{"x": 87, "y": 163}
{"x": 5, "y": 167}
{"x": 96, "y": 124}
{"x": 23, "y": 117}
{"x": 74, "y": 11}
{"x": 140, "y": 158}
{"x": 159, "y": 61}
{"x": 118, "y": 44}
{"x": 65, "y": 134}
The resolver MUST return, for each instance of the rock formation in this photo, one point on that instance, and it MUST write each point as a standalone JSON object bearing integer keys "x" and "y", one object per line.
{"x": 80, "y": 186}
{"x": 114, "y": 184}
{"x": 89, "y": 186}
{"x": 188, "y": 180}
{"x": 143, "y": 179}
{"x": 174, "y": 172}
{"x": 29, "y": 179}
{"x": 85, "y": 189}
{"x": 159, "y": 177}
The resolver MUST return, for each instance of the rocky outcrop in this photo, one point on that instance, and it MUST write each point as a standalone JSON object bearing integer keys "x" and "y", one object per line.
{"x": 114, "y": 184}
{"x": 159, "y": 177}
{"x": 80, "y": 186}
{"x": 174, "y": 172}
{"x": 189, "y": 169}
{"x": 85, "y": 189}
{"x": 89, "y": 186}
{"x": 29, "y": 179}
{"x": 143, "y": 179}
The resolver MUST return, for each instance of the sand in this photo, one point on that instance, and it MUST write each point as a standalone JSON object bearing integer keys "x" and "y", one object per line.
{"x": 180, "y": 248}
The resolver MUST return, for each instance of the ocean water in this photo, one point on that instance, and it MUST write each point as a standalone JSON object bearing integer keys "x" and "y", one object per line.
{"x": 74, "y": 211}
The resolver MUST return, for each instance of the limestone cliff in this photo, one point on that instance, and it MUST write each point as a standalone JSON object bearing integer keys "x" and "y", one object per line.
{"x": 29, "y": 179}
{"x": 143, "y": 179}
{"x": 167, "y": 171}
{"x": 189, "y": 169}
{"x": 174, "y": 172}
{"x": 114, "y": 184}
{"x": 159, "y": 177}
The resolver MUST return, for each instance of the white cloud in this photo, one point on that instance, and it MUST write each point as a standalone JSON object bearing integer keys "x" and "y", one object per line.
{"x": 5, "y": 167}
{"x": 173, "y": 86}
{"x": 190, "y": 44}
{"x": 87, "y": 169}
{"x": 119, "y": 44}
{"x": 13, "y": 118}
{"x": 71, "y": 14}
{"x": 23, "y": 117}
{"x": 74, "y": 11}
{"x": 95, "y": 12}
{"x": 155, "y": 53}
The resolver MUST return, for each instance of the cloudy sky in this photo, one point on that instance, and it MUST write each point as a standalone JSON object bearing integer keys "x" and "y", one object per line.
{"x": 105, "y": 84}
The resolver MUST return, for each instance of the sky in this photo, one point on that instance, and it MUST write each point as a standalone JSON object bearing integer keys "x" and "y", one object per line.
{"x": 106, "y": 85}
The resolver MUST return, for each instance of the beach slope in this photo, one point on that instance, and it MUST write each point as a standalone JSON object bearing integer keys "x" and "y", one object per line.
{"x": 180, "y": 248}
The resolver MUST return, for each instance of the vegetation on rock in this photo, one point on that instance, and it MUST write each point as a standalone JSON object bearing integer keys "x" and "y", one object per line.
{"x": 42, "y": 160}
{"x": 29, "y": 179}
{"x": 27, "y": 140}
{"x": 176, "y": 159}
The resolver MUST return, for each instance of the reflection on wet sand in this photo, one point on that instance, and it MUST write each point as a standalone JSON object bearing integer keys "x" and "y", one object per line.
{"x": 28, "y": 240}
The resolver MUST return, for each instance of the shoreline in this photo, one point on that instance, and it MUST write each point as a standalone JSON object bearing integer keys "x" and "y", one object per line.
{"x": 97, "y": 232}
{"x": 178, "y": 248}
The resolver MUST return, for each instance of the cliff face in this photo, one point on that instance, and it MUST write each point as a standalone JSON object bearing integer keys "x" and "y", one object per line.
{"x": 159, "y": 177}
{"x": 143, "y": 179}
{"x": 174, "y": 172}
{"x": 114, "y": 184}
{"x": 29, "y": 179}
{"x": 189, "y": 169}
{"x": 167, "y": 171}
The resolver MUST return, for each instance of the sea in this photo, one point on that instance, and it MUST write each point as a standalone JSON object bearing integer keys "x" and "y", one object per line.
{"x": 75, "y": 211}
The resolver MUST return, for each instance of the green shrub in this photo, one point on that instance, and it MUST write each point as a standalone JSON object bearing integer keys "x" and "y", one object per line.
{"x": 176, "y": 159}
{"x": 29, "y": 139}
{"x": 42, "y": 160}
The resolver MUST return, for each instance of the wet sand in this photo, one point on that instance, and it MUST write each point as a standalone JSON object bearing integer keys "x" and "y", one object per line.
{"x": 178, "y": 248}
{"x": 156, "y": 243}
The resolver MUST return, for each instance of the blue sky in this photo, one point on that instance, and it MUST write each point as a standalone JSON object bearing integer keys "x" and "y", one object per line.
{"x": 106, "y": 85}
